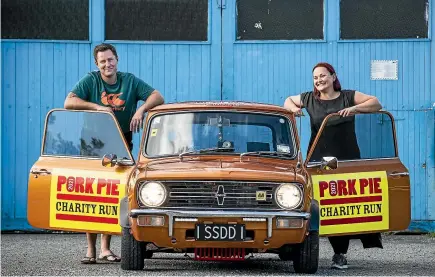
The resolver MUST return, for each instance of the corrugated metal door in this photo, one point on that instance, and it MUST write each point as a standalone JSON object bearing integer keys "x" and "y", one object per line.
{"x": 263, "y": 62}
{"x": 260, "y": 66}
{"x": 242, "y": 59}
{"x": 37, "y": 75}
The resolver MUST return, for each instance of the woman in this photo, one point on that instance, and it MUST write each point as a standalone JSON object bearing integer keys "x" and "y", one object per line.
{"x": 338, "y": 138}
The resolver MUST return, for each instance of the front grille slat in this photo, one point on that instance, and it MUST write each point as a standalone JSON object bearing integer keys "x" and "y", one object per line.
{"x": 240, "y": 195}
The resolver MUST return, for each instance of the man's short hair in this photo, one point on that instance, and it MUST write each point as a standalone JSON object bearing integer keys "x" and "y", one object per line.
{"x": 104, "y": 47}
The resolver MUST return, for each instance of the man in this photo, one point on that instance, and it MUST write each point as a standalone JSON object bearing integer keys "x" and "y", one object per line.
{"x": 117, "y": 92}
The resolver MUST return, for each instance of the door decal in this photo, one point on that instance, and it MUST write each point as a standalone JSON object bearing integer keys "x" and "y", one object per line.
{"x": 86, "y": 200}
{"x": 352, "y": 202}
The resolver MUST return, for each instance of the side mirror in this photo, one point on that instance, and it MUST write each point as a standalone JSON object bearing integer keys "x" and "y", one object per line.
{"x": 329, "y": 163}
{"x": 109, "y": 160}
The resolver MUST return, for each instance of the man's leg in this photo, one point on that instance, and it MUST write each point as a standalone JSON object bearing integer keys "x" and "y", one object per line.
{"x": 106, "y": 253}
{"x": 91, "y": 252}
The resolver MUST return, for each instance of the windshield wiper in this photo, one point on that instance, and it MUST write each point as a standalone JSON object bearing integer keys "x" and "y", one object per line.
{"x": 266, "y": 153}
{"x": 205, "y": 150}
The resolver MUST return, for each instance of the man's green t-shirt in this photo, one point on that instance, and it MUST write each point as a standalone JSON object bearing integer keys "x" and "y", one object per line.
{"x": 122, "y": 96}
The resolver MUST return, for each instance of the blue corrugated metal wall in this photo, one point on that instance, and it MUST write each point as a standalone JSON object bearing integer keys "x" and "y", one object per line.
{"x": 36, "y": 76}
{"x": 268, "y": 72}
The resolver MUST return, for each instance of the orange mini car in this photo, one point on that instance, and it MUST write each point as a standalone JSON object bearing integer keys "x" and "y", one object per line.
{"x": 215, "y": 180}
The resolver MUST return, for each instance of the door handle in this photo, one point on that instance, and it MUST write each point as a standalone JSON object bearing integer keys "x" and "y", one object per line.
{"x": 395, "y": 174}
{"x": 40, "y": 171}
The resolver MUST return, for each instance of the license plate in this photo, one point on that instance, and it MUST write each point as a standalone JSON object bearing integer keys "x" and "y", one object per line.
{"x": 220, "y": 232}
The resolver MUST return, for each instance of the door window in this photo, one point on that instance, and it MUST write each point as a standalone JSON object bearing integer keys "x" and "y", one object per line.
{"x": 387, "y": 19}
{"x": 279, "y": 19}
{"x": 157, "y": 20}
{"x": 360, "y": 137}
{"x": 45, "y": 19}
{"x": 83, "y": 134}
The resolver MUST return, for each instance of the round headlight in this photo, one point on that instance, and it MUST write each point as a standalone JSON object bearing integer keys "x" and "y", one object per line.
{"x": 288, "y": 196}
{"x": 152, "y": 194}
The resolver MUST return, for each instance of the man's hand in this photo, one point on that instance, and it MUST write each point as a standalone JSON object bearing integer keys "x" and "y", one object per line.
{"x": 104, "y": 109}
{"x": 137, "y": 121}
{"x": 73, "y": 102}
{"x": 153, "y": 100}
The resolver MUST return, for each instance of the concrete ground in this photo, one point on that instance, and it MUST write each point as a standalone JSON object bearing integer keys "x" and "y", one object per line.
{"x": 60, "y": 254}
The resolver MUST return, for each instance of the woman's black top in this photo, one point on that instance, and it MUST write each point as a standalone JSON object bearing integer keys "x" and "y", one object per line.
{"x": 338, "y": 138}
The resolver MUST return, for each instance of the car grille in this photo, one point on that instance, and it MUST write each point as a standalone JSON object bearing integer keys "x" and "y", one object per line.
{"x": 220, "y": 195}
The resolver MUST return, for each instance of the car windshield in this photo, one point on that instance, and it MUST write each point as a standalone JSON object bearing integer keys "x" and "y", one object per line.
{"x": 222, "y": 133}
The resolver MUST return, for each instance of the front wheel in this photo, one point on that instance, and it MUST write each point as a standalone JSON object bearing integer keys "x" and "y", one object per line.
{"x": 148, "y": 254}
{"x": 132, "y": 257}
{"x": 306, "y": 259}
{"x": 285, "y": 256}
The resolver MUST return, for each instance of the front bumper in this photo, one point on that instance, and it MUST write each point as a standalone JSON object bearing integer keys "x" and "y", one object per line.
{"x": 172, "y": 214}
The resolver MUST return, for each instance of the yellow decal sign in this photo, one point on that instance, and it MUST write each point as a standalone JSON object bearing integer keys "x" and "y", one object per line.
{"x": 260, "y": 196}
{"x": 352, "y": 202}
{"x": 86, "y": 200}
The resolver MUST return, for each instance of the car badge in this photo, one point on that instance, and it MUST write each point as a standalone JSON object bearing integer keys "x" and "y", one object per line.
{"x": 220, "y": 195}
{"x": 260, "y": 195}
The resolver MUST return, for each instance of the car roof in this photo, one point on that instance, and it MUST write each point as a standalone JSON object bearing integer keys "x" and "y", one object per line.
{"x": 218, "y": 105}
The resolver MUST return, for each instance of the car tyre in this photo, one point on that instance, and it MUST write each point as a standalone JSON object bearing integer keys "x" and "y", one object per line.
{"x": 285, "y": 256}
{"x": 148, "y": 254}
{"x": 306, "y": 259}
{"x": 132, "y": 257}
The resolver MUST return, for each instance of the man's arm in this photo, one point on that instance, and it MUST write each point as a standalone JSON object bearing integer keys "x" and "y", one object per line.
{"x": 73, "y": 102}
{"x": 153, "y": 100}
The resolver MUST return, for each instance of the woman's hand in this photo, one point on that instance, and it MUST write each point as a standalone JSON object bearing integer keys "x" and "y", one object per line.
{"x": 363, "y": 103}
{"x": 294, "y": 104}
{"x": 348, "y": 111}
{"x": 296, "y": 110}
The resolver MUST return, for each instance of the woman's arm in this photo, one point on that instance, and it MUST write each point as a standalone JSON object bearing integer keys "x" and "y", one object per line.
{"x": 366, "y": 103}
{"x": 293, "y": 104}
{"x": 363, "y": 103}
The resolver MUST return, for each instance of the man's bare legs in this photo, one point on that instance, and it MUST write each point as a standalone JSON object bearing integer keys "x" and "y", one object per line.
{"x": 90, "y": 257}
{"x": 106, "y": 253}
{"x": 92, "y": 241}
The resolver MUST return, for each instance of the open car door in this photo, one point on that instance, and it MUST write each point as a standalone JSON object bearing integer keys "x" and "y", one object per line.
{"x": 81, "y": 174}
{"x": 361, "y": 184}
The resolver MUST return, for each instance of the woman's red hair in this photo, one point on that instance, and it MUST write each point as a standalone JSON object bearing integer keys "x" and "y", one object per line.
{"x": 336, "y": 84}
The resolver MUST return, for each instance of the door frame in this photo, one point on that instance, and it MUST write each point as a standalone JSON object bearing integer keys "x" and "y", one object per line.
{"x": 71, "y": 193}
{"x": 393, "y": 176}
